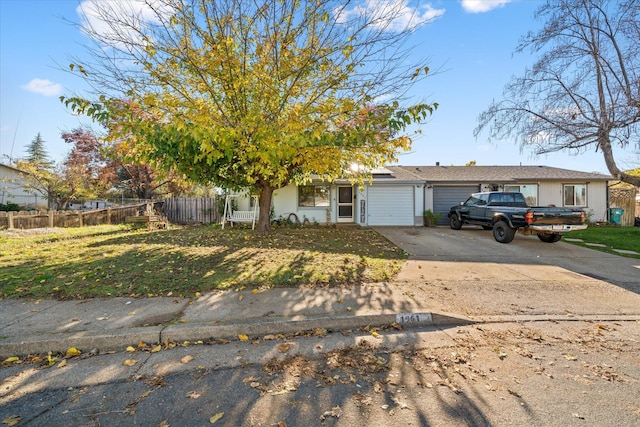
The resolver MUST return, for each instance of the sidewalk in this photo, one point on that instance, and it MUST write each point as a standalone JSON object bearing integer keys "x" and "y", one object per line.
{"x": 37, "y": 327}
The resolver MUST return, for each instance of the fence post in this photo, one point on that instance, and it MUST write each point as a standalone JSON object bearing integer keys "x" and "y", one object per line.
{"x": 51, "y": 216}
{"x": 80, "y": 218}
{"x": 109, "y": 216}
{"x": 10, "y": 218}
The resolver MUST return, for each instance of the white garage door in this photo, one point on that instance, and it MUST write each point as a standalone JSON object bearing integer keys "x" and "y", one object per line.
{"x": 390, "y": 205}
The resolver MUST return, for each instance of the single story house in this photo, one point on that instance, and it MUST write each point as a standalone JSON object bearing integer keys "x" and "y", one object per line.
{"x": 399, "y": 195}
{"x": 13, "y": 189}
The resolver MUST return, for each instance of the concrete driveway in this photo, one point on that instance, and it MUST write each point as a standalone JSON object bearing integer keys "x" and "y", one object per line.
{"x": 467, "y": 272}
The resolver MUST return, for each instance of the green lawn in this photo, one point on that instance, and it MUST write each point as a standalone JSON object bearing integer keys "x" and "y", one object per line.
{"x": 614, "y": 237}
{"x": 119, "y": 260}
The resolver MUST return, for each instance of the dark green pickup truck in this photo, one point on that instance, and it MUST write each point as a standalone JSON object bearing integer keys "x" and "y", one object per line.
{"x": 507, "y": 213}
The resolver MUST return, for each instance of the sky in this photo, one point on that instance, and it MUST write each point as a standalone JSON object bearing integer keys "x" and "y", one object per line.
{"x": 470, "y": 42}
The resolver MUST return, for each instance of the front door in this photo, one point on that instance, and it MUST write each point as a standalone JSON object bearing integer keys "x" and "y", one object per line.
{"x": 345, "y": 204}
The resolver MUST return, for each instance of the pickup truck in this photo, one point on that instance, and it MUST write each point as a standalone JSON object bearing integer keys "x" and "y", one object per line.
{"x": 507, "y": 213}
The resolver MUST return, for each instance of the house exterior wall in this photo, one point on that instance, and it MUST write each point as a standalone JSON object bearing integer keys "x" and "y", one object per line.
{"x": 12, "y": 189}
{"x": 551, "y": 193}
{"x": 285, "y": 202}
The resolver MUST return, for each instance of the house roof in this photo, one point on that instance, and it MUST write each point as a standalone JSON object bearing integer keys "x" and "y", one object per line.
{"x": 11, "y": 168}
{"x": 493, "y": 174}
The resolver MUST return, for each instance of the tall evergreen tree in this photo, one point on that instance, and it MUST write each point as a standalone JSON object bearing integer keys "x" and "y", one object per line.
{"x": 36, "y": 153}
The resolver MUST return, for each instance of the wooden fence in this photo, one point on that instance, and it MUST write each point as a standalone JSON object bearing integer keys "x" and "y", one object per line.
{"x": 64, "y": 219}
{"x": 625, "y": 198}
{"x": 178, "y": 211}
{"x": 192, "y": 210}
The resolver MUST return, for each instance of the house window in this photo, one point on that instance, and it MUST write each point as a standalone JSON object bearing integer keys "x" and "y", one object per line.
{"x": 530, "y": 192}
{"x": 313, "y": 195}
{"x": 575, "y": 195}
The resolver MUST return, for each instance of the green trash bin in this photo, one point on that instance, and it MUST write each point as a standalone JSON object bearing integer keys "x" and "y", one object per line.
{"x": 615, "y": 215}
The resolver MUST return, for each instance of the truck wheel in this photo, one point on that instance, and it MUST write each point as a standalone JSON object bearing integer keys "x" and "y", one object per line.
{"x": 549, "y": 238}
{"x": 502, "y": 232}
{"x": 454, "y": 222}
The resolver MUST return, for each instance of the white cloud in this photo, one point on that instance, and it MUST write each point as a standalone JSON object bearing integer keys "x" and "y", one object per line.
{"x": 43, "y": 87}
{"x": 481, "y": 6}
{"x": 392, "y": 15}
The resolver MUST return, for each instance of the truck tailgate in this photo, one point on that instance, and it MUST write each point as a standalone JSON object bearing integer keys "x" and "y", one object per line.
{"x": 556, "y": 216}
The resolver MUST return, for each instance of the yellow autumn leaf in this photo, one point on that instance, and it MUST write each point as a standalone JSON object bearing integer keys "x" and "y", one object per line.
{"x": 12, "y": 420}
{"x": 72, "y": 351}
{"x": 156, "y": 349}
{"x": 198, "y": 294}
{"x": 240, "y": 297}
{"x": 243, "y": 337}
{"x": 255, "y": 291}
{"x": 62, "y": 364}
{"x": 131, "y": 349}
{"x": 186, "y": 359}
{"x": 216, "y": 417}
{"x": 129, "y": 362}
{"x": 11, "y": 359}
{"x": 375, "y": 334}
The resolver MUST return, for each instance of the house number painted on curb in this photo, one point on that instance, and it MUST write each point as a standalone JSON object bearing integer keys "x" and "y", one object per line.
{"x": 413, "y": 318}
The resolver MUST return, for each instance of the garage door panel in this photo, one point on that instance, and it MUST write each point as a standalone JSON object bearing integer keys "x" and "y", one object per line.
{"x": 390, "y": 205}
{"x": 444, "y": 197}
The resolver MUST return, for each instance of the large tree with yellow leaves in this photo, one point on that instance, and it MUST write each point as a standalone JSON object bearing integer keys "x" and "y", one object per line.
{"x": 253, "y": 94}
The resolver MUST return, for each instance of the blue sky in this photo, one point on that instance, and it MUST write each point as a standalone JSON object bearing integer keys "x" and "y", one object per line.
{"x": 472, "y": 44}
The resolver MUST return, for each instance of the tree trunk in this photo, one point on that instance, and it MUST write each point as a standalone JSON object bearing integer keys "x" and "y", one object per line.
{"x": 265, "y": 197}
{"x": 605, "y": 146}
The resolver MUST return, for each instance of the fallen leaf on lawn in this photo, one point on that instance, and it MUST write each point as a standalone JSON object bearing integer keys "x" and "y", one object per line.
{"x": 375, "y": 334}
{"x": 186, "y": 359}
{"x": 156, "y": 349}
{"x": 243, "y": 337}
{"x": 12, "y": 420}
{"x": 283, "y": 348}
{"x": 11, "y": 359}
{"x": 570, "y": 357}
{"x": 131, "y": 349}
{"x": 193, "y": 395}
{"x": 198, "y": 294}
{"x": 129, "y": 362}
{"x": 62, "y": 364}
{"x": 73, "y": 352}
{"x": 216, "y": 417}
{"x": 164, "y": 423}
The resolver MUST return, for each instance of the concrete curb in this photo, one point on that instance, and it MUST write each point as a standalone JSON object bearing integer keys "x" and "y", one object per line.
{"x": 118, "y": 340}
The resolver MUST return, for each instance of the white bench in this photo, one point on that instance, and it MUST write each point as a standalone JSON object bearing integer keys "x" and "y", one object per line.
{"x": 242, "y": 216}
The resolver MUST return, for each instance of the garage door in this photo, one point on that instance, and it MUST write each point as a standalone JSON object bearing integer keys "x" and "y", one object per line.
{"x": 446, "y": 196}
{"x": 390, "y": 205}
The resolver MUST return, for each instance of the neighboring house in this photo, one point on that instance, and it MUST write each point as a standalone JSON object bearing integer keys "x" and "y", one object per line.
{"x": 13, "y": 188}
{"x": 398, "y": 195}
{"x": 92, "y": 204}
